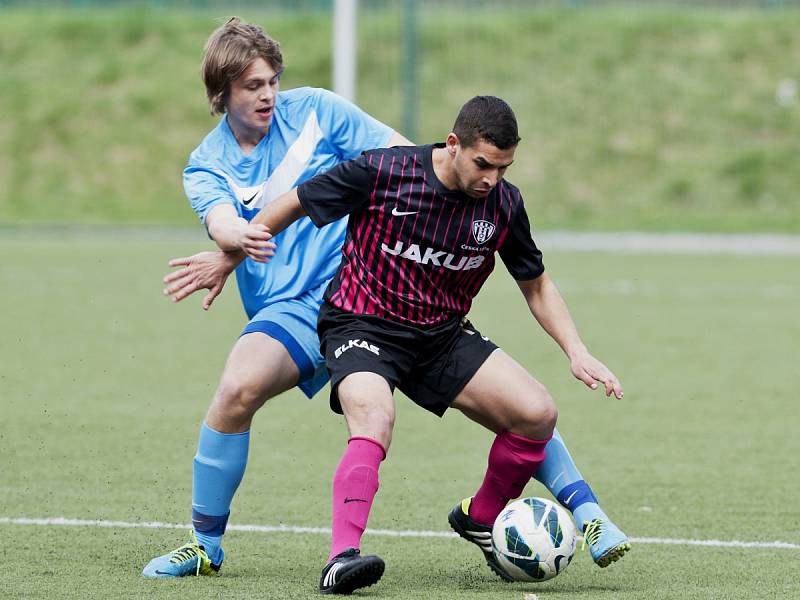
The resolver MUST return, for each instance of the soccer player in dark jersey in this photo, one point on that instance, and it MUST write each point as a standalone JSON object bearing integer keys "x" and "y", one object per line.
{"x": 425, "y": 224}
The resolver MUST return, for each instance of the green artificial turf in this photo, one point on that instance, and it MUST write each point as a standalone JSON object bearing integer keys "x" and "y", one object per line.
{"x": 104, "y": 382}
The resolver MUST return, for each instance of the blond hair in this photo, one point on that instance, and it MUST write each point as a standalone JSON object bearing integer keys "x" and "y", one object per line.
{"x": 228, "y": 52}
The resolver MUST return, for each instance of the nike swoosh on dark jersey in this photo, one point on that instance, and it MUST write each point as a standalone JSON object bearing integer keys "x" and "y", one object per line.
{"x": 403, "y": 213}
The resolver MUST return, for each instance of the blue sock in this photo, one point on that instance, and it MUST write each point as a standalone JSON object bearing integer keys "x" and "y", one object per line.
{"x": 559, "y": 474}
{"x": 218, "y": 469}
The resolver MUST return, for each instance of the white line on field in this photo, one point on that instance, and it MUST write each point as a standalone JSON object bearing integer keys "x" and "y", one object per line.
{"x": 380, "y": 532}
{"x": 636, "y": 242}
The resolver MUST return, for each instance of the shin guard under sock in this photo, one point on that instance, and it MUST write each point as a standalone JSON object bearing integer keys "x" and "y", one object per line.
{"x": 513, "y": 459}
{"x": 355, "y": 484}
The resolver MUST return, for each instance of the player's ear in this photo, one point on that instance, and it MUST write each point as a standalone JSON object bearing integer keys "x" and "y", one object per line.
{"x": 451, "y": 144}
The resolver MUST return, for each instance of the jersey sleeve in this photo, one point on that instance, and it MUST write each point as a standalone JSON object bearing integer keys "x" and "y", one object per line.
{"x": 337, "y": 192}
{"x": 519, "y": 252}
{"x": 349, "y": 129}
{"x": 205, "y": 189}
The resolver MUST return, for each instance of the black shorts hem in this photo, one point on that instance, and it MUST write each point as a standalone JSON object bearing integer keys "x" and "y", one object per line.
{"x": 459, "y": 386}
{"x": 430, "y": 366}
{"x": 335, "y": 404}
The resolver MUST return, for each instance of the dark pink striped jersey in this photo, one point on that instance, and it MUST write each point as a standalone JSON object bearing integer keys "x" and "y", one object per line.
{"x": 416, "y": 252}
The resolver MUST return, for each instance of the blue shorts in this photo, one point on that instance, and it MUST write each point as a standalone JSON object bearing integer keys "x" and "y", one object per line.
{"x": 293, "y": 323}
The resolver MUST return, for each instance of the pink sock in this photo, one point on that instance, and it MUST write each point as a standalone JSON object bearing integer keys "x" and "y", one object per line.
{"x": 355, "y": 484}
{"x": 513, "y": 459}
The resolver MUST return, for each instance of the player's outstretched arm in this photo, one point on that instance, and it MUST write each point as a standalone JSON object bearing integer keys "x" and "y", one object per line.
{"x": 204, "y": 270}
{"x": 210, "y": 270}
{"x": 548, "y": 307}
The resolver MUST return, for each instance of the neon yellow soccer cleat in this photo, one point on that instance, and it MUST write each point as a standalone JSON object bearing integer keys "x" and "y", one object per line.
{"x": 606, "y": 542}
{"x": 189, "y": 559}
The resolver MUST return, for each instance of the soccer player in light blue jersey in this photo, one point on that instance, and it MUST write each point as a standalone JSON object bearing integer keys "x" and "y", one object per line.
{"x": 265, "y": 144}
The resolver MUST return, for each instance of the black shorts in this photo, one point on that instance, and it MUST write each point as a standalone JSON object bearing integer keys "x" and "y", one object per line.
{"x": 430, "y": 366}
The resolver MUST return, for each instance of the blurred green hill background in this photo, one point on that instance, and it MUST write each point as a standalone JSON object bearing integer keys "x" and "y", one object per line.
{"x": 632, "y": 118}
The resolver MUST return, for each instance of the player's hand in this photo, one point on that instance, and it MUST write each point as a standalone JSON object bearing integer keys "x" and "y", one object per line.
{"x": 254, "y": 240}
{"x": 201, "y": 271}
{"x": 592, "y": 372}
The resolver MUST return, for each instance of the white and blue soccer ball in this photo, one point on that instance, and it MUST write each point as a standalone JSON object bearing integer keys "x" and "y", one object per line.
{"x": 533, "y": 539}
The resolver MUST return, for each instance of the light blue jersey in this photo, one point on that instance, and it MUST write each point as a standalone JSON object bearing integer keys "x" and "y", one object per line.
{"x": 311, "y": 131}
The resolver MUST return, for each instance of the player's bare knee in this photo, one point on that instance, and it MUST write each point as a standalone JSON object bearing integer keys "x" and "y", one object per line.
{"x": 237, "y": 399}
{"x": 537, "y": 418}
{"x": 367, "y": 417}
{"x": 382, "y": 423}
{"x": 366, "y": 411}
{"x": 548, "y": 415}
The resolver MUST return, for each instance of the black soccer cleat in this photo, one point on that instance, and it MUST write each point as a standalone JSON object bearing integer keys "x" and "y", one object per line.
{"x": 480, "y": 535}
{"x": 349, "y": 571}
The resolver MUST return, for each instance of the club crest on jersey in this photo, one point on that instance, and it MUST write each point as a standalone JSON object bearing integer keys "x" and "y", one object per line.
{"x": 482, "y": 231}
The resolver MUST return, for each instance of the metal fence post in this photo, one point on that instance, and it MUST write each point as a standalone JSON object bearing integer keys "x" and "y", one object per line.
{"x": 409, "y": 70}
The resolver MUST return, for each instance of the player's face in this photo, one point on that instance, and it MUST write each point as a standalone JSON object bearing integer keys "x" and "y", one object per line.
{"x": 479, "y": 167}
{"x": 251, "y": 101}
